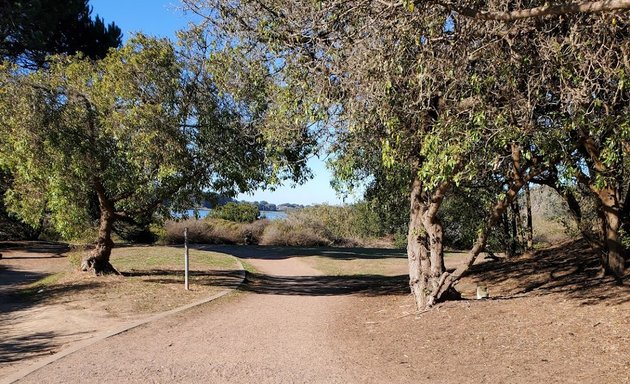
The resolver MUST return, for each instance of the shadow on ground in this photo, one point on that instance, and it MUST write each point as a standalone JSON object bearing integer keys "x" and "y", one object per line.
{"x": 280, "y": 253}
{"x": 570, "y": 269}
{"x": 17, "y": 348}
{"x": 225, "y": 278}
{"x": 35, "y": 344}
{"x": 370, "y": 285}
{"x": 35, "y": 247}
{"x": 26, "y": 297}
{"x": 286, "y": 285}
{"x": 14, "y": 349}
{"x": 10, "y": 276}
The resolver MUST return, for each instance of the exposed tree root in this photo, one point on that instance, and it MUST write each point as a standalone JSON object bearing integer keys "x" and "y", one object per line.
{"x": 99, "y": 267}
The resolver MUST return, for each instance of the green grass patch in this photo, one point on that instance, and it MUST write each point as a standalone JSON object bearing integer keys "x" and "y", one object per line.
{"x": 382, "y": 265}
{"x": 159, "y": 257}
{"x": 346, "y": 267}
{"x": 249, "y": 267}
{"x": 141, "y": 258}
{"x": 151, "y": 281}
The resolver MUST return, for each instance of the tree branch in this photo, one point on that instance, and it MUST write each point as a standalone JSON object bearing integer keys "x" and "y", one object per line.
{"x": 542, "y": 11}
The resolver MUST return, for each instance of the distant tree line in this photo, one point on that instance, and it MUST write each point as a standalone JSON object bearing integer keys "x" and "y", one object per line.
{"x": 215, "y": 200}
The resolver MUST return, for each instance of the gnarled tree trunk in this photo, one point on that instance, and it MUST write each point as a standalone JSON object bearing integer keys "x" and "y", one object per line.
{"x": 425, "y": 247}
{"x": 613, "y": 260}
{"x": 448, "y": 280}
{"x": 98, "y": 259}
{"x": 530, "y": 226}
{"x": 417, "y": 252}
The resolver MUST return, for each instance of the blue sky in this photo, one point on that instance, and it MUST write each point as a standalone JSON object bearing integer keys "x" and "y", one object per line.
{"x": 164, "y": 18}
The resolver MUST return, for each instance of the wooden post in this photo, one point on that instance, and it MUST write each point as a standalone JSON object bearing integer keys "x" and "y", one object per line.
{"x": 530, "y": 227}
{"x": 186, "y": 259}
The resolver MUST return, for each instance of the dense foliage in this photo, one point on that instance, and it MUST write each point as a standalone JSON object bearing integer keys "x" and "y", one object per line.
{"x": 32, "y": 30}
{"x": 237, "y": 212}
{"x": 29, "y": 32}
{"x": 424, "y": 98}
{"x": 137, "y": 129}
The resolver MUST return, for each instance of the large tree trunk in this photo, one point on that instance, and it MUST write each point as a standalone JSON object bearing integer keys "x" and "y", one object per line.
{"x": 613, "y": 260}
{"x": 417, "y": 252}
{"x": 425, "y": 247}
{"x": 448, "y": 280}
{"x": 611, "y": 209}
{"x": 98, "y": 259}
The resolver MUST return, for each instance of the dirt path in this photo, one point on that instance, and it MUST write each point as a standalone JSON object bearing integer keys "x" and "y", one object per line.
{"x": 293, "y": 325}
{"x": 270, "y": 338}
{"x": 25, "y": 262}
{"x": 29, "y": 331}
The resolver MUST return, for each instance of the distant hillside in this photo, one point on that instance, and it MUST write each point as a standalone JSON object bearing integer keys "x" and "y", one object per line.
{"x": 218, "y": 201}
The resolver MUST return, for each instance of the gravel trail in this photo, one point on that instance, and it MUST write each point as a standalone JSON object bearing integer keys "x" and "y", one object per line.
{"x": 246, "y": 338}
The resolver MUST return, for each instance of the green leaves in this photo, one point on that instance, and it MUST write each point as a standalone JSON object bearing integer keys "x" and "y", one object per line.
{"x": 144, "y": 122}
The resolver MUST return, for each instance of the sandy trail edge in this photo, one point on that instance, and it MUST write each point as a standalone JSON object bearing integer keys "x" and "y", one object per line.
{"x": 76, "y": 346}
{"x": 277, "y": 337}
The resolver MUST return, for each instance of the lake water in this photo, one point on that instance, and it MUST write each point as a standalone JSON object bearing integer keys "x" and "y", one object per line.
{"x": 271, "y": 215}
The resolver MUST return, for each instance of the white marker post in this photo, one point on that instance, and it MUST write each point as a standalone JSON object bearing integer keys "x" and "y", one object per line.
{"x": 186, "y": 259}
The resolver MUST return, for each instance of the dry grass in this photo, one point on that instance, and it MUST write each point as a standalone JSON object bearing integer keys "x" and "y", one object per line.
{"x": 294, "y": 234}
{"x": 297, "y": 231}
{"x": 213, "y": 231}
{"x": 152, "y": 280}
{"x": 385, "y": 262}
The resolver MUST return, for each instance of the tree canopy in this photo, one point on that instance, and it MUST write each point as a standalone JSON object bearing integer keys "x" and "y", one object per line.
{"x": 32, "y": 30}
{"x": 143, "y": 129}
{"x": 425, "y": 96}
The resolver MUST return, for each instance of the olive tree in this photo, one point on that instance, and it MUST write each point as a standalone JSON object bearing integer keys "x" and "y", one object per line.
{"x": 144, "y": 129}
{"x": 422, "y": 92}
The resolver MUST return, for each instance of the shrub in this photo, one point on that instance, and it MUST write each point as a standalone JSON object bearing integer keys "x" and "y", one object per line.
{"x": 174, "y": 232}
{"x": 325, "y": 225}
{"x": 340, "y": 223}
{"x": 321, "y": 225}
{"x": 213, "y": 231}
{"x": 237, "y": 212}
{"x": 295, "y": 234}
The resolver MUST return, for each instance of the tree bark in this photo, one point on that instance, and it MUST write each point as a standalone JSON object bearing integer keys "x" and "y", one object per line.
{"x": 509, "y": 240}
{"x": 517, "y": 242}
{"x": 448, "y": 280}
{"x": 611, "y": 209}
{"x": 425, "y": 246}
{"x": 98, "y": 259}
{"x": 613, "y": 261}
{"x": 417, "y": 252}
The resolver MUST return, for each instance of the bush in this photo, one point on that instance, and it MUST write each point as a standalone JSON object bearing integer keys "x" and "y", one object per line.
{"x": 295, "y": 234}
{"x": 321, "y": 225}
{"x": 174, "y": 232}
{"x": 236, "y": 212}
{"x": 355, "y": 221}
{"x": 325, "y": 225}
{"x": 213, "y": 231}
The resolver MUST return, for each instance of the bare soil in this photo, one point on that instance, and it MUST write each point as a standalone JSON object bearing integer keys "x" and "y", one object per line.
{"x": 549, "y": 319}
{"x": 42, "y": 317}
